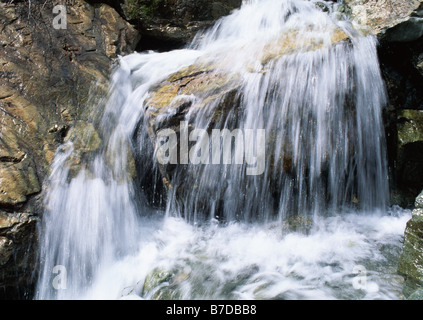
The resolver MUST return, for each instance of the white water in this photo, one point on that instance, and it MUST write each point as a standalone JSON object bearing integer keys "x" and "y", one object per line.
{"x": 95, "y": 225}
{"x": 244, "y": 261}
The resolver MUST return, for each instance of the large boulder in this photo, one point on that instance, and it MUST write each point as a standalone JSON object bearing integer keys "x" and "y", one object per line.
{"x": 393, "y": 20}
{"x": 410, "y": 150}
{"x": 49, "y": 78}
{"x": 411, "y": 261}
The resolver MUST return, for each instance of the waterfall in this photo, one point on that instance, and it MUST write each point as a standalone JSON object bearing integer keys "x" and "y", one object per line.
{"x": 320, "y": 108}
{"x": 308, "y": 79}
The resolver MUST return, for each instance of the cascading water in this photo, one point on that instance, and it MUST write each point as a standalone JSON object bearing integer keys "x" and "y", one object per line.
{"x": 312, "y": 83}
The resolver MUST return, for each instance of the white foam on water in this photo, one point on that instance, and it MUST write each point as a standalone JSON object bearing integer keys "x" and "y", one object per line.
{"x": 260, "y": 261}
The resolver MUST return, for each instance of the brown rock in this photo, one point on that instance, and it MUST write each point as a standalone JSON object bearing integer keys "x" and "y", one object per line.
{"x": 17, "y": 182}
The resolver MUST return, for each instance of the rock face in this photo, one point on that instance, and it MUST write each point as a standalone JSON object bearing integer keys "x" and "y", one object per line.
{"x": 47, "y": 76}
{"x": 403, "y": 116}
{"x": 17, "y": 238}
{"x": 410, "y": 149}
{"x": 161, "y": 284}
{"x": 175, "y": 22}
{"x": 411, "y": 262}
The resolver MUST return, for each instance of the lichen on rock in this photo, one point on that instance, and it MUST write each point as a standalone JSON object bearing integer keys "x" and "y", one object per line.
{"x": 411, "y": 262}
{"x": 161, "y": 284}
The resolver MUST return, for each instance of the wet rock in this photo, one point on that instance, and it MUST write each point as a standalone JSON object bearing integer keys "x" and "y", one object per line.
{"x": 399, "y": 27}
{"x": 287, "y": 44}
{"x": 298, "y": 223}
{"x": 416, "y": 295}
{"x": 170, "y": 102}
{"x": 410, "y": 29}
{"x": 410, "y": 126}
{"x": 85, "y": 141}
{"x": 213, "y": 91}
{"x": 123, "y": 165}
{"x": 17, "y": 182}
{"x": 84, "y": 137}
{"x": 161, "y": 284}
{"x": 5, "y": 250}
{"x": 403, "y": 79}
{"x": 118, "y": 35}
{"x": 155, "y": 278}
{"x": 48, "y": 79}
{"x": 410, "y": 150}
{"x": 322, "y": 6}
{"x": 411, "y": 262}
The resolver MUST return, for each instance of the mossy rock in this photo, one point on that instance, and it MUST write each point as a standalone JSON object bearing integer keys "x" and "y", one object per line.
{"x": 411, "y": 262}
{"x": 410, "y": 127}
{"x": 85, "y": 142}
{"x": 298, "y": 223}
{"x": 199, "y": 79}
{"x": 6, "y": 249}
{"x": 162, "y": 284}
{"x": 17, "y": 182}
{"x": 418, "y": 204}
{"x": 84, "y": 137}
{"x": 167, "y": 293}
{"x": 410, "y": 150}
{"x": 155, "y": 278}
{"x": 136, "y": 9}
{"x": 416, "y": 295}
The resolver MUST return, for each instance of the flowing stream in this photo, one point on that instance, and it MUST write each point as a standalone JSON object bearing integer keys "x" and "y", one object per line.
{"x": 312, "y": 223}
